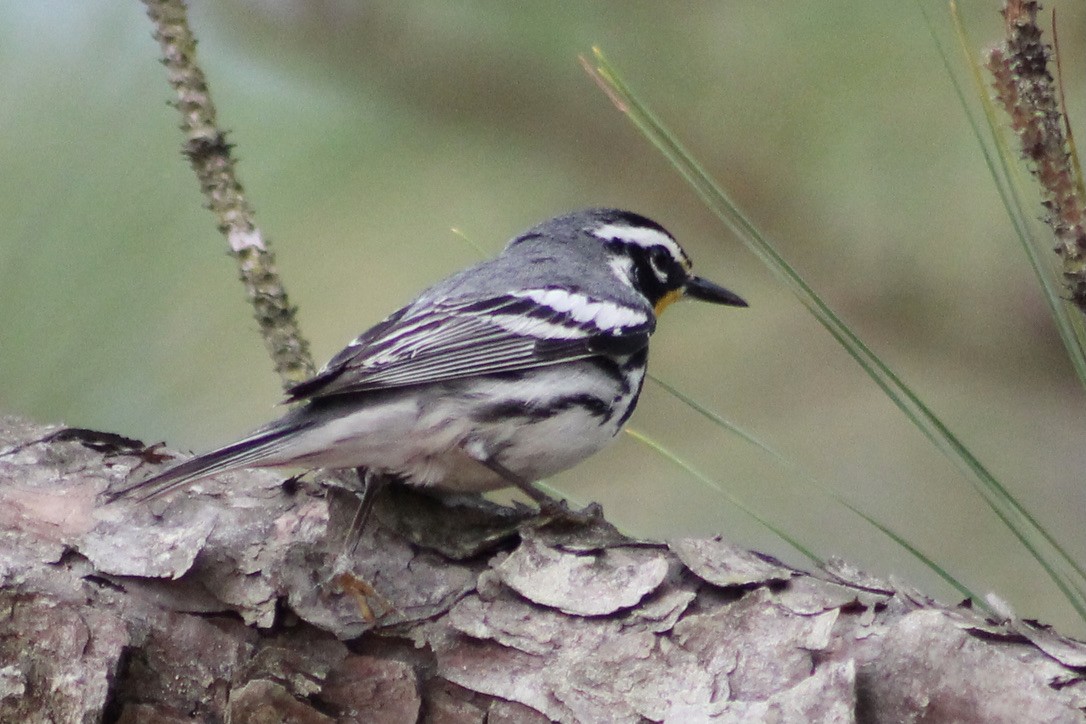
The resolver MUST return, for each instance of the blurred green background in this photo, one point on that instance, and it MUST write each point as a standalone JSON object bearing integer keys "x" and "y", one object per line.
{"x": 366, "y": 131}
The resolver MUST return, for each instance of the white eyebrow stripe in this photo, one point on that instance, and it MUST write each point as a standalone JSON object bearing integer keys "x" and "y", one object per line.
{"x": 640, "y": 235}
{"x": 602, "y": 314}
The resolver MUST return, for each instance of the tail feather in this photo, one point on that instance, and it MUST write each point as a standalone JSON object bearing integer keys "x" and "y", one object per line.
{"x": 243, "y": 453}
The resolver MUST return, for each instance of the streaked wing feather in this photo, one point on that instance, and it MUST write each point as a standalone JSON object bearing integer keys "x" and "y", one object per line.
{"x": 455, "y": 340}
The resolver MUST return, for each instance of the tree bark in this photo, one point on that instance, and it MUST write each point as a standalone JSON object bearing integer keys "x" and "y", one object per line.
{"x": 230, "y": 603}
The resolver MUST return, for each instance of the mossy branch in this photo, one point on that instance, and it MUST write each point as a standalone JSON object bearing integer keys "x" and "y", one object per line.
{"x": 209, "y": 152}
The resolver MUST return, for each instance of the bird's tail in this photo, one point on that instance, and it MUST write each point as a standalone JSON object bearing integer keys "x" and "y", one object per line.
{"x": 250, "y": 452}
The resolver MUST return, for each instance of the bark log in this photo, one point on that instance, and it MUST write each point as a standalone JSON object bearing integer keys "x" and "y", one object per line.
{"x": 230, "y": 603}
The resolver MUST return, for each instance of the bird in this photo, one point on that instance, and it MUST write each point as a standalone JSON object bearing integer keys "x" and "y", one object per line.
{"x": 500, "y": 375}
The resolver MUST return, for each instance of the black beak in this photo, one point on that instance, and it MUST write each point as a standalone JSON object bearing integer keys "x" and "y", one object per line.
{"x": 707, "y": 291}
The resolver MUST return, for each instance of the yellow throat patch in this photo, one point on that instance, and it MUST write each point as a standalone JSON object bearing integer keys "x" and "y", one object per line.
{"x": 667, "y": 300}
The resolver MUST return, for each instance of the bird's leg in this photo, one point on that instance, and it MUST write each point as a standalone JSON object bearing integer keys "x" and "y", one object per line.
{"x": 343, "y": 580}
{"x": 547, "y": 503}
{"x": 549, "y": 506}
{"x": 371, "y": 485}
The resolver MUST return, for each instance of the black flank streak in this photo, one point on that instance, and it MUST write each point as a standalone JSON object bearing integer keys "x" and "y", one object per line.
{"x": 534, "y": 413}
{"x": 638, "y": 359}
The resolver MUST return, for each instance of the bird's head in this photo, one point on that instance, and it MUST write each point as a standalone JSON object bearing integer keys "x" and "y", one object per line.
{"x": 644, "y": 255}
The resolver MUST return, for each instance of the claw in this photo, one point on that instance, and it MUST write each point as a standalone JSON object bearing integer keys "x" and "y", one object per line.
{"x": 558, "y": 511}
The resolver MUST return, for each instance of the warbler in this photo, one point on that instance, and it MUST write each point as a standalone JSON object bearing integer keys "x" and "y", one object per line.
{"x": 500, "y": 375}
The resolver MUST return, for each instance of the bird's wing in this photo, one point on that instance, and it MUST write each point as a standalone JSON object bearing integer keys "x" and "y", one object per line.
{"x": 453, "y": 339}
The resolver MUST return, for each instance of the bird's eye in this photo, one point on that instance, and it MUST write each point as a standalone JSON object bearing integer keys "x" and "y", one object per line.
{"x": 660, "y": 260}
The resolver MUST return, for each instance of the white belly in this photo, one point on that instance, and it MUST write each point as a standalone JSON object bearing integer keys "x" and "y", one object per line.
{"x": 420, "y": 435}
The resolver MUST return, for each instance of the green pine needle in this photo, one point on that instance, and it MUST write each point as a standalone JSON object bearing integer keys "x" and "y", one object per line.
{"x": 1063, "y": 570}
